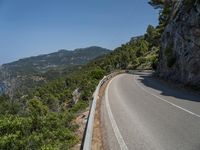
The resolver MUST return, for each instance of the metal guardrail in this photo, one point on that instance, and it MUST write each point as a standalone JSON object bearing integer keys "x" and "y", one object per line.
{"x": 89, "y": 129}
{"x": 87, "y": 143}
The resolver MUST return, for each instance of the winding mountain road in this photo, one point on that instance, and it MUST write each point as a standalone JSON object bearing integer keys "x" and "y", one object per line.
{"x": 139, "y": 112}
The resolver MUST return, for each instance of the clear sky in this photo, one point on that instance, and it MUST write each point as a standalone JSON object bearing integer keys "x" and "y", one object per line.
{"x": 32, "y": 27}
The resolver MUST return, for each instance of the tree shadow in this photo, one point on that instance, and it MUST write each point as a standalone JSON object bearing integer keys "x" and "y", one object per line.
{"x": 168, "y": 90}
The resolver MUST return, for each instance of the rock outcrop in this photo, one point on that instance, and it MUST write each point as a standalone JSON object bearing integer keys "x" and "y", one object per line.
{"x": 180, "y": 45}
{"x": 2, "y": 88}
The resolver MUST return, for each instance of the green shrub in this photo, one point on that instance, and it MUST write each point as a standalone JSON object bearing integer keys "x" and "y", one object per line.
{"x": 81, "y": 105}
{"x": 55, "y": 131}
{"x": 154, "y": 61}
{"x": 141, "y": 60}
{"x": 97, "y": 73}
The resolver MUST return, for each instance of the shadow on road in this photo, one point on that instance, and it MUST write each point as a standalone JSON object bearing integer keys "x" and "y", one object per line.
{"x": 167, "y": 89}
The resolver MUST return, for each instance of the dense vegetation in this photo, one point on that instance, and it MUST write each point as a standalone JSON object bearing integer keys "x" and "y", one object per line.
{"x": 43, "y": 118}
{"x": 23, "y": 75}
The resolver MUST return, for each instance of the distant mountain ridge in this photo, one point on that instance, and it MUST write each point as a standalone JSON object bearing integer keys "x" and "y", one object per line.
{"x": 60, "y": 58}
{"x": 33, "y": 70}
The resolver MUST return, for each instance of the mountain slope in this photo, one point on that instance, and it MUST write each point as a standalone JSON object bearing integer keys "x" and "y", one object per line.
{"x": 62, "y": 58}
{"x": 29, "y": 72}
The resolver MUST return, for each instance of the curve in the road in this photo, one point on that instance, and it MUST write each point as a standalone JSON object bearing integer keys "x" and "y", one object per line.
{"x": 141, "y": 113}
{"x": 179, "y": 107}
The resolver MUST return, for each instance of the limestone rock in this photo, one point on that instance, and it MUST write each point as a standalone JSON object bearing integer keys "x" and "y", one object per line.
{"x": 180, "y": 46}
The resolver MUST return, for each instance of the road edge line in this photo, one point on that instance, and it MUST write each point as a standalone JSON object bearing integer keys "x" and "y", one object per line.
{"x": 118, "y": 135}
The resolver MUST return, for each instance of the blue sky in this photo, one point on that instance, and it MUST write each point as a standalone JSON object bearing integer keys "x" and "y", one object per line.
{"x": 32, "y": 27}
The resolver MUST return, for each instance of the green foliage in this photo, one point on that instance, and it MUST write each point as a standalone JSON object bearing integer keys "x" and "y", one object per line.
{"x": 14, "y": 129}
{"x": 37, "y": 108}
{"x": 165, "y": 7}
{"x": 156, "y": 3}
{"x": 55, "y": 131}
{"x": 80, "y": 106}
{"x": 8, "y": 106}
{"x": 97, "y": 73}
{"x": 154, "y": 61}
{"x": 153, "y": 36}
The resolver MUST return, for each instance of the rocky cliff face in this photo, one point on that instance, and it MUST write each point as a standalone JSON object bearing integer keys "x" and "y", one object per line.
{"x": 180, "y": 45}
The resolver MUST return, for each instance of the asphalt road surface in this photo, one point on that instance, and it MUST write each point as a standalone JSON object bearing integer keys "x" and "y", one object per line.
{"x": 139, "y": 112}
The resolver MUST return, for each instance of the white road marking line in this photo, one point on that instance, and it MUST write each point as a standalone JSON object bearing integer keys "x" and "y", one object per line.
{"x": 118, "y": 135}
{"x": 166, "y": 100}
